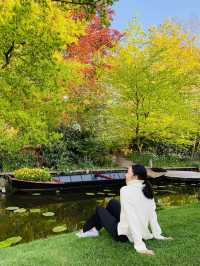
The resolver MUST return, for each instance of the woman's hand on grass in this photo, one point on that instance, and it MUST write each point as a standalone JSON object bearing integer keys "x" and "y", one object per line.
{"x": 147, "y": 252}
{"x": 167, "y": 238}
{"x": 164, "y": 238}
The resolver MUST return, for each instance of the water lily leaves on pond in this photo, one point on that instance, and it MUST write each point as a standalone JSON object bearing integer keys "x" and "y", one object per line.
{"x": 36, "y": 194}
{"x": 90, "y": 194}
{"x": 106, "y": 190}
{"x": 100, "y": 193}
{"x": 35, "y": 210}
{"x": 60, "y": 228}
{"x": 111, "y": 194}
{"x": 48, "y": 214}
{"x": 10, "y": 241}
{"x": 20, "y": 210}
{"x": 100, "y": 201}
{"x": 51, "y": 220}
{"x": 12, "y": 208}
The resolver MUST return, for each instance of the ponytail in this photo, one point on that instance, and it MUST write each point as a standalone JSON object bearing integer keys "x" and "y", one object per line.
{"x": 141, "y": 172}
{"x": 148, "y": 190}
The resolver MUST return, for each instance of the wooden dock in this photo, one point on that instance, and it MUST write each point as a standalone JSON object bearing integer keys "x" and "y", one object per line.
{"x": 184, "y": 175}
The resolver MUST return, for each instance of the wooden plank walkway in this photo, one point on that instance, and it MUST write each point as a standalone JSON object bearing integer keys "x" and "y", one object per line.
{"x": 183, "y": 174}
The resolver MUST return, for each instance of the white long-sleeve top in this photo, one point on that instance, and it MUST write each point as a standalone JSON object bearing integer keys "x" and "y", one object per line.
{"x": 137, "y": 214}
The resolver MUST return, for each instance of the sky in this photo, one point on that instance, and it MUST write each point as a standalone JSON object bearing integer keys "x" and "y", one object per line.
{"x": 153, "y": 12}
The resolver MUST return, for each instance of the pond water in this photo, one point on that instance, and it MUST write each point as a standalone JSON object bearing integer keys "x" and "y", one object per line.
{"x": 72, "y": 209}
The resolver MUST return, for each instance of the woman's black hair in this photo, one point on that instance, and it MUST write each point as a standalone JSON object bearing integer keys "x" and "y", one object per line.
{"x": 141, "y": 172}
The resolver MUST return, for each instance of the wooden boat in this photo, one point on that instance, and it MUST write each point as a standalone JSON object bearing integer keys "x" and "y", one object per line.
{"x": 75, "y": 180}
{"x": 72, "y": 180}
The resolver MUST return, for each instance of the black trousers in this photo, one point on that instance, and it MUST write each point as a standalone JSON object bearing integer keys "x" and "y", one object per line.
{"x": 108, "y": 218}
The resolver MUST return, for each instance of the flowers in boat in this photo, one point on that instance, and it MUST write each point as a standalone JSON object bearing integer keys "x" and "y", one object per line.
{"x": 33, "y": 174}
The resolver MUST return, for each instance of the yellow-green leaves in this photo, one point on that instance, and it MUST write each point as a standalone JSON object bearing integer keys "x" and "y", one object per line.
{"x": 149, "y": 86}
{"x": 33, "y": 72}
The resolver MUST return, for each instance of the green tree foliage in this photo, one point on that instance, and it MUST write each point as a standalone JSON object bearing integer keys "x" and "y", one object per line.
{"x": 151, "y": 85}
{"x": 33, "y": 73}
{"x": 78, "y": 147}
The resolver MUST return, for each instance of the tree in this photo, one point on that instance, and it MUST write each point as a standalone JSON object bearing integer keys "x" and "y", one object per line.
{"x": 85, "y": 100}
{"x": 97, "y": 38}
{"x": 149, "y": 83}
{"x": 33, "y": 73}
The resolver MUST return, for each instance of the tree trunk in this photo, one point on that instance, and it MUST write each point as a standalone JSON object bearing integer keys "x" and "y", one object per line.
{"x": 195, "y": 147}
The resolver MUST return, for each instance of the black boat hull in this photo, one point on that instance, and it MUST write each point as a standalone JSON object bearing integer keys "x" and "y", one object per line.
{"x": 18, "y": 185}
{"x": 85, "y": 179}
{"x": 73, "y": 180}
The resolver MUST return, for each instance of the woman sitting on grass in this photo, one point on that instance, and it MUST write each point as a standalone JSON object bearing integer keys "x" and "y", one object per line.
{"x": 128, "y": 220}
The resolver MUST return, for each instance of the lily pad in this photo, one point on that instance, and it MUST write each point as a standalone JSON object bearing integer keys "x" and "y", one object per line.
{"x": 35, "y": 210}
{"x": 106, "y": 190}
{"x": 90, "y": 194}
{"x": 21, "y": 210}
{"x": 51, "y": 220}
{"x": 100, "y": 193}
{"x": 12, "y": 208}
{"x": 36, "y": 194}
{"x": 48, "y": 214}
{"x": 100, "y": 201}
{"x": 10, "y": 241}
{"x": 60, "y": 228}
{"x": 111, "y": 194}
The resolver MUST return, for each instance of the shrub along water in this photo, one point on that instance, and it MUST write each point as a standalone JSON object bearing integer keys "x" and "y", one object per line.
{"x": 77, "y": 148}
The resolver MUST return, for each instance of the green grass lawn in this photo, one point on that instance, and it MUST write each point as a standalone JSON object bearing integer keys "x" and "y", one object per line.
{"x": 183, "y": 223}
